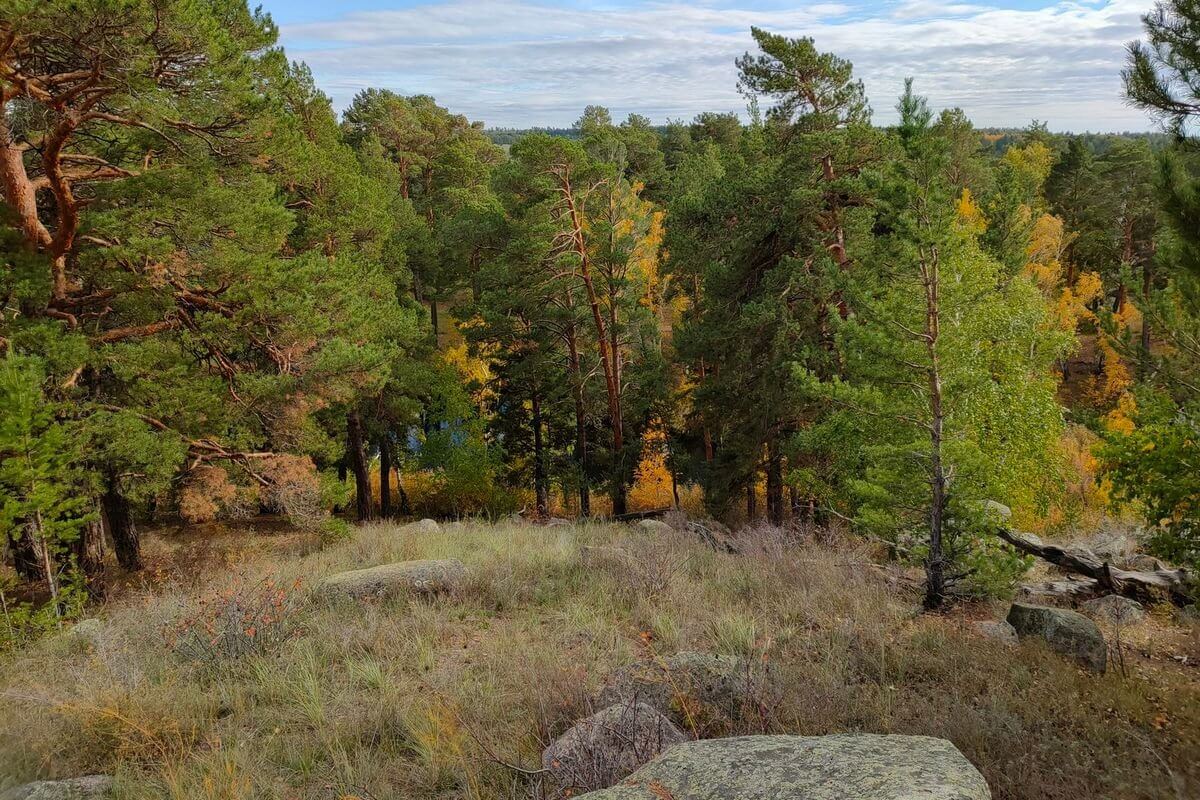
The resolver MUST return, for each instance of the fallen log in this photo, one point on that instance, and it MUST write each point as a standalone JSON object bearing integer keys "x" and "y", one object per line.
{"x": 634, "y": 516}
{"x": 1144, "y": 586}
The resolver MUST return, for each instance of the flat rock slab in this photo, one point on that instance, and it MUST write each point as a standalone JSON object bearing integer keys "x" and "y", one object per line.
{"x": 725, "y": 685}
{"x": 1068, "y": 633}
{"x": 1115, "y": 609}
{"x": 998, "y": 630}
{"x": 418, "y": 577}
{"x": 840, "y": 767}
{"x": 600, "y": 750}
{"x": 88, "y": 787}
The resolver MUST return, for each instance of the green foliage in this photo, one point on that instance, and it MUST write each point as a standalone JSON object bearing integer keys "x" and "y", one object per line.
{"x": 946, "y": 382}
{"x": 44, "y": 499}
{"x": 1153, "y": 466}
{"x": 25, "y": 622}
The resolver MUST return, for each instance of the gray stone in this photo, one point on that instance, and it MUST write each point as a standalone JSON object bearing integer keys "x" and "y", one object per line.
{"x": 417, "y": 577}
{"x": 656, "y": 526}
{"x": 1144, "y": 563}
{"x": 997, "y": 511}
{"x": 600, "y": 750}
{"x": 1115, "y": 609}
{"x": 841, "y": 767}
{"x": 1114, "y": 545}
{"x": 422, "y": 526}
{"x": 1067, "y": 632}
{"x": 996, "y": 629}
{"x": 724, "y": 685}
{"x": 86, "y": 633}
{"x": 88, "y": 787}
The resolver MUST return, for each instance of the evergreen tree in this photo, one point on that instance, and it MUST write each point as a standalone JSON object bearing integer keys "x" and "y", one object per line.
{"x": 947, "y": 373}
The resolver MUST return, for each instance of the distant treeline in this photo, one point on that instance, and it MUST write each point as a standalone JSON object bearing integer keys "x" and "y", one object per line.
{"x": 995, "y": 140}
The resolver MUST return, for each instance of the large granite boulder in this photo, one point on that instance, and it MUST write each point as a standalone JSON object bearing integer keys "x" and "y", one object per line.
{"x": 422, "y": 526}
{"x": 88, "y": 787}
{"x": 841, "y": 767}
{"x": 600, "y": 750}
{"x": 1115, "y": 610}
{"x": 1067, "y": 632}
{"x": 998, "y": 630}
{"x": 692, "y": 687}
{"x": 417, "y": 577}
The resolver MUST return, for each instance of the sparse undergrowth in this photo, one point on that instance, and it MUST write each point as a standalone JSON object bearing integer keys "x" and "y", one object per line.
{"x": 446, "y": 698}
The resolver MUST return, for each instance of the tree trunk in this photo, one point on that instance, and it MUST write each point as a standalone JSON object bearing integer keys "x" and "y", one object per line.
{"x": 751, "y": 499}
{"x": 405, "y": 506}
{"x": 385, "y": 478}
{"x": 541, "y": 488}
{"x": 585, "y": 495}
{"x": 433, "y": 318}
{"x": 1147, "y": 287}
{"x": 774, "y": 482}
{"x": 935, "y": 566}
{"x": 118, "y": 518}
{"x": 88, "y": 553}
{"x": 1148, "y": 586}
{"x": 25, "y": 558}
{"x": 358, "y": 463}
{"x": 608, "y": 360}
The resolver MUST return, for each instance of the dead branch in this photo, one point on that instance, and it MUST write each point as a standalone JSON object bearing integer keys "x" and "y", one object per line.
{"x": 1147, "y": 586}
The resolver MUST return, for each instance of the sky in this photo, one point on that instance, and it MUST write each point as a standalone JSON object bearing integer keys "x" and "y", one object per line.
{"x": 525, "y": 63}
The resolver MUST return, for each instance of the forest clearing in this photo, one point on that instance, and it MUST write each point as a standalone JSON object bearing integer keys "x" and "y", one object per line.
{"x": 458, "y": 694}
{"x": 358, "y": 450}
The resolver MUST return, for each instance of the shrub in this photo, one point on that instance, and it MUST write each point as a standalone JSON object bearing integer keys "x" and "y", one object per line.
{"x": 251, "y": 619}
{"x": 25, "y": 622}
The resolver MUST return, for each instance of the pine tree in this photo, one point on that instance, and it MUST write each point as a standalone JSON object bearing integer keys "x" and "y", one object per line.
{"x": 947, "y": 373}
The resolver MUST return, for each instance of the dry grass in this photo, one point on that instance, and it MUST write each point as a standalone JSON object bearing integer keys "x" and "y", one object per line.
{"x": 422, "y": 699}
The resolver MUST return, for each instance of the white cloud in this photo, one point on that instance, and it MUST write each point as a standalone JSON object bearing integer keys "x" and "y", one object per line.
{"x": 521, "y": 63}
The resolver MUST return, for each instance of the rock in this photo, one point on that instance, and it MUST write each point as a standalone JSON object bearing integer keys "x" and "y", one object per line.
{"x": 419, "y": 577}
{"x": 1115, "y": 609}
{"x": 656, "y": 526}
{"x": 997, "y": 511}
{"x": 86, "y": 633}
{"x": 600, "y": 750}
{"x": 1065, "y": 591}
{"x": 88, "y": 787}
{"x": 726, "y": 686}
{"x": 841, "y": 767}
{"x": 1112, "y": 545}
{"x": 996, "y": 629}
{"x": 1144, "y": 563}
{"x": 422, "y": 526}
{"x": 1067, "y": 632}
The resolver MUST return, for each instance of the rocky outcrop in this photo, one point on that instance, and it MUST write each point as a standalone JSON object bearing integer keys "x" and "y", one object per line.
{"x": 416, "y": 577}
{"x": 422, "y": 526}
{"x": 841, "y": 767}
{"x": 600, "y": 750}
{"x": 656, "y": 526}
{"x": 707, "y": 685}
{"x": 1067, "y": 632}
{"x": 1115, "y": 610}
{"x": 88, "y": 787}
{"x": 996, "y": 629}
